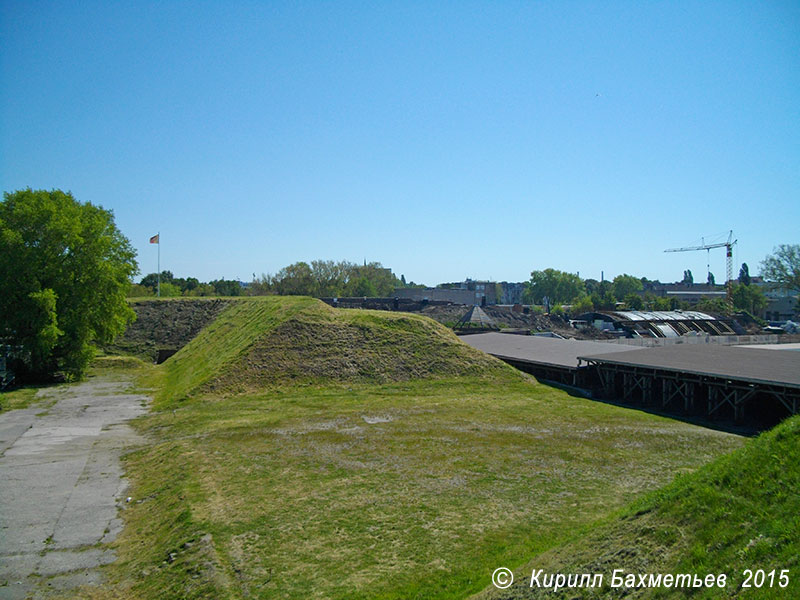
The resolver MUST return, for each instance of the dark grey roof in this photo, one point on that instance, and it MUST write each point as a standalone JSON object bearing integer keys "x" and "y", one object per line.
{"x": 540, "y": 350}
{"x": 732, "y": 362}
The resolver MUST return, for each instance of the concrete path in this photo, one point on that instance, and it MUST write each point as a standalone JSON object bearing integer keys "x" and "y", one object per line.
{"x": 61, "y": 485}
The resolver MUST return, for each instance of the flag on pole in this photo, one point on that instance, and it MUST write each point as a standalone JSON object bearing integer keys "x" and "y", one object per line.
{"x": 154, "y": 239}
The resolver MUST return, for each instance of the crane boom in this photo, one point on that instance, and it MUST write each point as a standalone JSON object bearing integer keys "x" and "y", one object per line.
{"x": 728, "y": 260}
{"x": 706, "y": 247}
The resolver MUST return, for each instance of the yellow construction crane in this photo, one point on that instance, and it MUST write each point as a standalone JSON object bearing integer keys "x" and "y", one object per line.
{"x": 729, "y": 262}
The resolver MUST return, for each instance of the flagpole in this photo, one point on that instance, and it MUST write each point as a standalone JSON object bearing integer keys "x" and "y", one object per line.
{"x": 159, "y": 264}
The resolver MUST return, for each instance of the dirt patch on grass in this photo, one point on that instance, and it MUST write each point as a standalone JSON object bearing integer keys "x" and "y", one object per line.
{"x": 358, "y": 348}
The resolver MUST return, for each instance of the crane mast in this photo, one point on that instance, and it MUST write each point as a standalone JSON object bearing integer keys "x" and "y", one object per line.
{"x": 728, "y": 260}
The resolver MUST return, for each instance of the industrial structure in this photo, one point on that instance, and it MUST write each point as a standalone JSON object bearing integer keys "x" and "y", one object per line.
{"x": 751, "y": 386}
{"x": 660, "y": 324}
{"x": 729, "y": 382}
{"x": 728, "y": 245}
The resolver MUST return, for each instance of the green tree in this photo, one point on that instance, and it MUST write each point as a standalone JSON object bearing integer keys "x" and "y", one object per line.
{"x": 662, "y": 303}
{"x": 624, "y": 285}
{"x": 361, "y": 286}
{"x": 749, "y": 298}
{"x": 744, "y": 274}
{"x": 381, "y": 278}
{"x": 634, "y": 301}
{"x": 782, "y": 267}
{"x": 151, "y": 279}
{"x": 222, "y": 287}
{"x": 558, "y": 286}
{"x": 713, "y": 305}
{"x": 329, "y": 278}
{"x": 295, "y": 280}
{"x": 170, "y": 290}
{"x": 65, "y": 270}
{"x": 139, "y": 291}
{"x": 582, "y": 305}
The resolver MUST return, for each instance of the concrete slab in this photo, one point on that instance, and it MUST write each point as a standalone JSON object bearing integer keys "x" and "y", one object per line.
{"x": 62, "y": 485}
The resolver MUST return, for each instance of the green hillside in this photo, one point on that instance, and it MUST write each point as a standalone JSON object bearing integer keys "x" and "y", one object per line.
{"x": 740, "y": 512}
{"x": 284, "y": 340}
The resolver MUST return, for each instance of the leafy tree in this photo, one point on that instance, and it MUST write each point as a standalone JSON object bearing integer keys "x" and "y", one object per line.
{"x": 714, "y": 305}
{"x": 382, "y": 279}
{"x": 224, "y": 287}
{"x": 202, "y": 289}
{"x": 329, "y": 278}
{"x": 634, "y": 301}
{"x": 591, "y": 286}
{"x": 624, "y": 285}
{"x": 360, "y": 287}
{"x": 170, "y": 290}
{"x": 782, "y": 267}
{"x": 151, "y": 279}
{"x": 583, "y": 305}
{"x": 326, "y": 278}
{"x": 295, "y": 280}
{"x": 744, "y": 274}
{"x": 139, "y": 291}
{"x": 677, "y": 304}
{"x": 749, "y": 298}
{"x": 661, "y": 303}
{"x": 688, "y": 278}
{"x": 558, "y": 286}
{"x": 605, "y": 301}
{"x": 65, "y": 270}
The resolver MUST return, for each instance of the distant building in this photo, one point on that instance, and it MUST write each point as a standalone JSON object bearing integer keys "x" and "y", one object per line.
{"x": 456, "y": 296}
{"x": 781, "y": 304}
{"x": 469, "y": 292}
{"x": 511, "y": 292}
{"x": 685, "y": 292}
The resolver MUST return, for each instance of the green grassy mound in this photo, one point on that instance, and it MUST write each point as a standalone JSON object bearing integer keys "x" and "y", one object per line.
{"x": 740, "y": 512}
{"x": 280, "y": 340}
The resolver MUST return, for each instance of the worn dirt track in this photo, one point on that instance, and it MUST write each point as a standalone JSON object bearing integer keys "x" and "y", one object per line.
{"x": 61, "y": 485}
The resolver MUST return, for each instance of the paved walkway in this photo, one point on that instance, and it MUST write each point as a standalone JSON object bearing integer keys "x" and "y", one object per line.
{"x": 61, "y": 486}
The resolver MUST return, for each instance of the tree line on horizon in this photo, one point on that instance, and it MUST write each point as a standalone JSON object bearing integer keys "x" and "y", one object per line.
{"x": 556, "y": 288}
{"x": 65, "y": 271}
{"x": 319, "y": 279}
{"x": 331, "y": 279}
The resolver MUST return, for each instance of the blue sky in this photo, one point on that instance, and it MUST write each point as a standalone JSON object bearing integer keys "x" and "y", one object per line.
{"x": 443, "y": 139}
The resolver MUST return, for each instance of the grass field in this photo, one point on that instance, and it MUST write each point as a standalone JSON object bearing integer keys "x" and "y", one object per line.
{"x": 343, "y": 474}
{"x": 740, "y": 512}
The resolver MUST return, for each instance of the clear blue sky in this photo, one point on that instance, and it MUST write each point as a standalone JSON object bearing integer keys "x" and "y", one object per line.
{"x": 443, "y": 139}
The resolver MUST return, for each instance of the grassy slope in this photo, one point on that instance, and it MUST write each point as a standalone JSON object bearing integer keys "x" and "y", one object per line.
{"x": 740, "y": 512}
{"x": 324, "y": 485}
{"x": 267, "y": 341}
{"x": 218, "y": 346}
